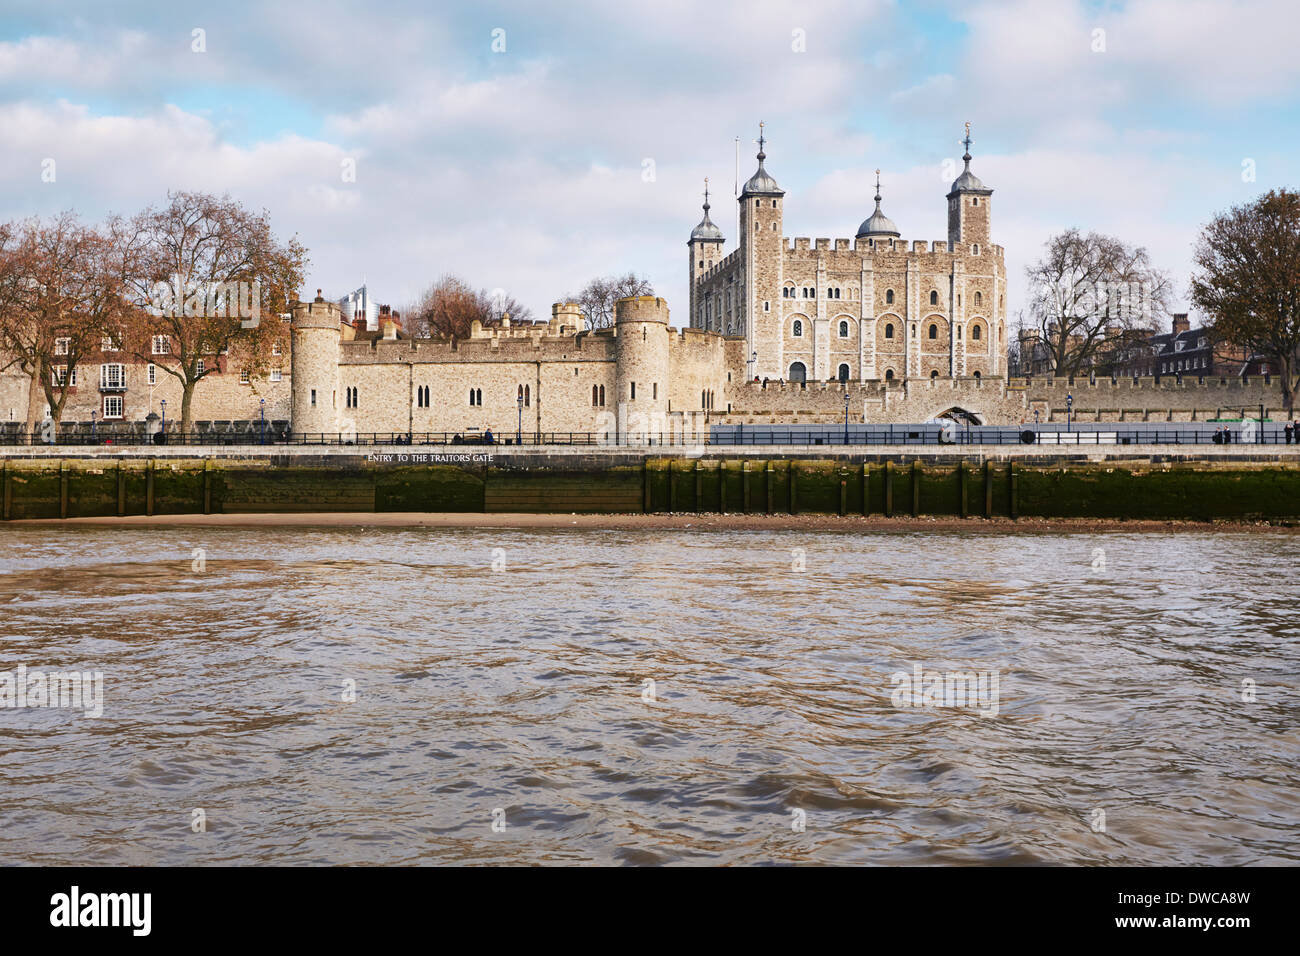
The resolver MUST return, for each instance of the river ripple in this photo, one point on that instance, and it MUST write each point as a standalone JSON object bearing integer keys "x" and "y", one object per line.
{"x": 521, "y": 690}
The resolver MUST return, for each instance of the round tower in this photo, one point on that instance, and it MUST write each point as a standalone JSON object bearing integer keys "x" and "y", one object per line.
{"x": 315, "y": 359}
{"x": 641, "y": 373}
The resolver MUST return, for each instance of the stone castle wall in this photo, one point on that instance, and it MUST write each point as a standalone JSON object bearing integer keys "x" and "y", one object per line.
{"x": 1002, "y": 402}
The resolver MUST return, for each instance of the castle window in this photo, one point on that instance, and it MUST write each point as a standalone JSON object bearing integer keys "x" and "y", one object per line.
{"x": 977, "y": 374}
{"x": 634, "y": 391}
{"x": 889, "y": 330}
{"x": 934, "y": 374}
{"x": 151, "y": 375}
{"x": 277, "y": 374}
{"x": 798, "y": 329}
{"x": 979, "y": 300}
{"x": 767, "y": 305}
{"x": 422, "y": 396}
{"x": 843, "y": 374}
{"x": 889, "y": 375}
{"x": 476, "y": 396}
{"x": 934, "y": 331}
{"x": 934, "y": 297}
{"x": 313, "y": 396}
{"x": 112, "y": 406}
{"x": 758, "y": 203}
{"x": 975, "y": 332}
{"x": 602, "y": 396}
{"x": 350, "y": 396}
{"x": 654, "y": 390}
{"x": 889, "y": 297}
{"x": 773, "y": 203}
{"x": 975, "y": 249}
{"x": 975, "y": 201}
{"x": 844, "y": 330}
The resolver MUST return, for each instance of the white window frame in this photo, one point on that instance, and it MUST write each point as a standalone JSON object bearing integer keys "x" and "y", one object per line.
{"x": 114, "y": 400}
{"x": 112, "y": 375}
{"x": 151, "y": 374}
{"x": 62, "y": 344}
{"x": 277, "y": 374}
{"x": 161, "y": 345}
{"x": 246, "y": 379}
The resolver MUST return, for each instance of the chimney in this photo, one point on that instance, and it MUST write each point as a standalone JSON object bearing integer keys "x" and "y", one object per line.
{"x": 1181, "y": 324}
{"x": 390, "y": 330}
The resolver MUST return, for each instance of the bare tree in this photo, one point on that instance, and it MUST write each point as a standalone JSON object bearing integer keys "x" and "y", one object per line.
{"x": 1089, "y": 294}
{"x": 209, "y": 279}
{"x": 1247, "y": 280}
{"x": 449, "y": 307}
{"x": 62, "y": 291}
{"x": 598, "y": 297}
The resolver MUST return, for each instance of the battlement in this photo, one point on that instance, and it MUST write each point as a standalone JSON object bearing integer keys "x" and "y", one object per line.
{"x": 641, "y": 308}
{"x": 512, "y": 345}
{"x": 317, "y": 314}
{"x": 803, "y": 246}
{"x": 719, "y": 268}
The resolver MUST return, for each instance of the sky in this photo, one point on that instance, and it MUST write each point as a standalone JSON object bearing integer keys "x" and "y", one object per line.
{"x": 533, "y": 146}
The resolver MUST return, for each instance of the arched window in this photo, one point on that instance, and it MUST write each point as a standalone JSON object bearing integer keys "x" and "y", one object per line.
{"x": 889, "y": 297}
{"x": 798, "y": 329}
{"x": 889, "y": 375}
{"x": 977, "y": 374}
{"x": 595, "y": 396}
{"x": 889, "y": 330}
{"x": 975, "y": 332}
{"x": 934, "y": 374}
{"x": 934, "y": 331}
{"x": 934, "y": 297}
{"x": 602, "y": 396}
{"x": 798, "y": 372}
{"x": 979, "y": 299}
{"x": 844, "y": 330}
{"x": 843, "y": 374}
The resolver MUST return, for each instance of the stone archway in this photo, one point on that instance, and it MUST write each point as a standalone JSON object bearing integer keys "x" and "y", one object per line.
{"x": 798, "y": 372}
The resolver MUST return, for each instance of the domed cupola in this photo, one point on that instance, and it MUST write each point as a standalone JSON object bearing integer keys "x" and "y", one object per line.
{"x": 968, "y": 182}
{"x": 761, "y": 184}
{"x": 877, "y": 225}
{"x": 706, "y": 231}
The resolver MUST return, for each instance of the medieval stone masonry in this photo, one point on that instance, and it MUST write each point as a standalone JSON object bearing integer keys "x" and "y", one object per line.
{"x": 779, "y": 330}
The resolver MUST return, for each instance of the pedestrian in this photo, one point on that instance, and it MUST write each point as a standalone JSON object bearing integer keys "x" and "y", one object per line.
{"x": 1288, "y": 431}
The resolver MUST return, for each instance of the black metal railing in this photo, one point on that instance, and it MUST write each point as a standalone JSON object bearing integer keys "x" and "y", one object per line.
{"x": 1269, "y": 434}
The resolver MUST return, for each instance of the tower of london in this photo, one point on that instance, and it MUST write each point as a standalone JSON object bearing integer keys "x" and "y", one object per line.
{"x": 874, "y": 307}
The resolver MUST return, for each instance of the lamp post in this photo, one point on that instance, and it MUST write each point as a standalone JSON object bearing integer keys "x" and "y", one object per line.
{"x": 1069, "y": 410}
{"x": 753, "y": 358}
{"x": 846, "y": 413}
{"x": 261, "y": 404}
{"x": 92, "y": 428}
{"x": 163, "y": 428}
{"x": 519, "y": 429}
